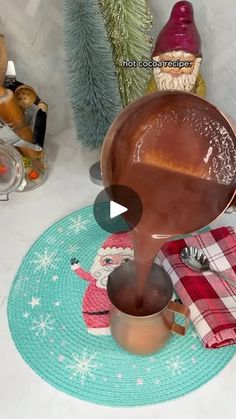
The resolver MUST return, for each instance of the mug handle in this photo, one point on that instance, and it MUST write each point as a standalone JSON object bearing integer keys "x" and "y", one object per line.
{"x": 185, "y": 312}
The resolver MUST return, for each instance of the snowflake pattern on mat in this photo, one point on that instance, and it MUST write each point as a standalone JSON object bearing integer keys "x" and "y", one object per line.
{"x": 139, "y": 381}
{"x": 34, "y": 302}
{"x": 83, "y": 366}
{"x": 43, "y": 325}
{"x": 72, "y": 249}
{"x": 23, "y": 277}
{"x": 175, "y": 365}
{"x": 51, "y": 240}
{"x": 78, "y": 224}
{"x": 194, "y": 334}
{"x": 45, "y": 260}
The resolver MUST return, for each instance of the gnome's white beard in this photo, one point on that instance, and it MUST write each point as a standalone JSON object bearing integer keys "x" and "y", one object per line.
{"x": 186, "y": 82}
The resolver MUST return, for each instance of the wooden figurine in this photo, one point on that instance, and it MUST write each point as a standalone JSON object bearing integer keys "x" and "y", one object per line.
{"x": 12, "y": 114}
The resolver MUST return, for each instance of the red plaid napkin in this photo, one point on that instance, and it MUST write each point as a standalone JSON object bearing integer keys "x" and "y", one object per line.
{"x": 212, "y": 301}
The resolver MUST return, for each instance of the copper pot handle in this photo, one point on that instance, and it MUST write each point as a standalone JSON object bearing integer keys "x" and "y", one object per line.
{"x": 185, "y": 312}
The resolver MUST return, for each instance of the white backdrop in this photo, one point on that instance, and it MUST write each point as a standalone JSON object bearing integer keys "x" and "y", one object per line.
{"x": 35, "y": 41}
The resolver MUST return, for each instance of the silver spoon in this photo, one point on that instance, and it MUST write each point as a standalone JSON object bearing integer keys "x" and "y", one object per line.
{"x": 196, "y": 260}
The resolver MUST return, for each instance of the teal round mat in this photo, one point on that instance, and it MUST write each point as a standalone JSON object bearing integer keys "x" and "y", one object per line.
{"x": 44, "y": 312}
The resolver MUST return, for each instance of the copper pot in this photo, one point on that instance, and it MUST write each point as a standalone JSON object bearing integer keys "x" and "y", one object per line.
{"x": 182, "y": 133}
{"x": 138, "y": 333}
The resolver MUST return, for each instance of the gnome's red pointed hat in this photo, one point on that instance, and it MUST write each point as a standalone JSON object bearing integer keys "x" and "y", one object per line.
{"x": 180, "y": 33}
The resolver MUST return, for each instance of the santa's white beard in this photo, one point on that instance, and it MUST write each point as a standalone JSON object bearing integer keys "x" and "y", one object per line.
{"x": 101, "y": 273}
{"x": 186, "y": 82}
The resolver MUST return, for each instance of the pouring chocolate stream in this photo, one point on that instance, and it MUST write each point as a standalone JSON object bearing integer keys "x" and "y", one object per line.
{"x": 178, "y": 153}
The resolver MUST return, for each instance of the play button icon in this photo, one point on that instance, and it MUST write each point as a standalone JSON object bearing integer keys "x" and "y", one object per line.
{"x": 117, "y": 208}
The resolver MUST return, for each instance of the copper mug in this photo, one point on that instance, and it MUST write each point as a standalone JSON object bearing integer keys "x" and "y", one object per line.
{"x": 146, "y": 333}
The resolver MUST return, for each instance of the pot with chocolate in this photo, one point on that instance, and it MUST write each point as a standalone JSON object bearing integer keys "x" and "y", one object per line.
{"x": 178, "y": 153}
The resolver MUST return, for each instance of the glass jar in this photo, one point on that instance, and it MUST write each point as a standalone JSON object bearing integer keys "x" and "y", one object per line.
{"x": 11, "y": 170}
{"x": 23, "y": 167}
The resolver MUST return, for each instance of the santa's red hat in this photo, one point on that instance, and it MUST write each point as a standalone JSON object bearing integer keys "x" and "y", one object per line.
{"x": 180, "y": 33}
{"x": 117, "y": 243}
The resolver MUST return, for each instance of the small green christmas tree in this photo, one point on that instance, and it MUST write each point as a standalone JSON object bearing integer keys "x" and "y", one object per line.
{"x": 128, "y": 23}
{"x": 92, "y": 81}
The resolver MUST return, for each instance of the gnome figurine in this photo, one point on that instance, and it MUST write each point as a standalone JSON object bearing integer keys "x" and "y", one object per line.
{"x": 116, "y": 250}
{"x": 177, "y": 53}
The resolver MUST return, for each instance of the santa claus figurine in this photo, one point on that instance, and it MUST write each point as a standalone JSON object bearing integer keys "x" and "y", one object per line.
{"x": 177, "y": 53}
{"x": 116, "y": 250}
